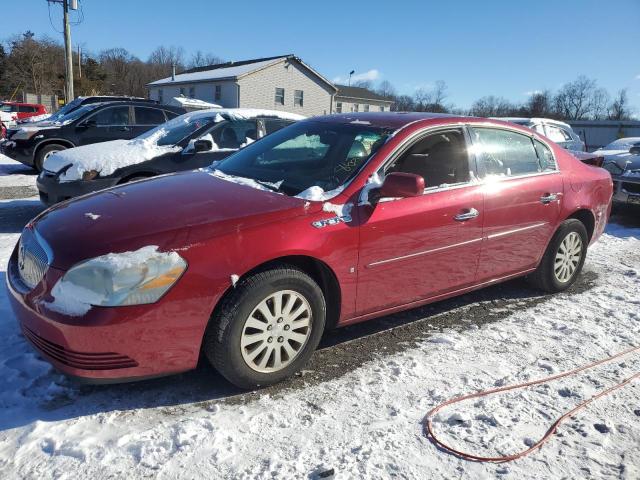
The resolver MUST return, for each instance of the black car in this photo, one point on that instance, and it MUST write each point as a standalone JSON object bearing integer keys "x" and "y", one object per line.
{"x": 87, "y": 124}
{"x": 191, "y": 141}
{"x": 80, "y": 101}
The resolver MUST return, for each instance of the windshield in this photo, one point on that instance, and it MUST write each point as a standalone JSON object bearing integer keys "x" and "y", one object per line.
{"x": 623, "y": 144}
{"x": 307, "y": 154}
{"x": 176, "y": 130}
{"x": 7, "y": 107}
{"x": 76, "y": 114}
{"x": 64, "y": 110}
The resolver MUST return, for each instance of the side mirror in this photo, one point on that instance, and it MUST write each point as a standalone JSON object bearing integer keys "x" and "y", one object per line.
{"x": 202, "y": 146}
{"x": 400, "y": 185}
{"x": 635, "y": 150}
{"x": 89, "y": 124}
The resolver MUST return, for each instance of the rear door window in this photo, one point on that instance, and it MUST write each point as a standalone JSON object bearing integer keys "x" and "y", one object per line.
{"x": 545, "y": 155}
{"x": 114, "y": 116}
{"x": 505, "y": 153}
{"x": 149, "y": 116}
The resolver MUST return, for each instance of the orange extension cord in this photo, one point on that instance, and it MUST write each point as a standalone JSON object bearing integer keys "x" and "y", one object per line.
{"x": 428, "y": 427}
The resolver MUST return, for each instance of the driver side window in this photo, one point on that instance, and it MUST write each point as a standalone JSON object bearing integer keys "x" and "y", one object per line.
{"x": 440, "y": 158}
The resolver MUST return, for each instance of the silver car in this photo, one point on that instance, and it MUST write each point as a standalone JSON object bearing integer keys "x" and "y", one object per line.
{"x": 622, "y": 160}
{"x": 555, "y": 130}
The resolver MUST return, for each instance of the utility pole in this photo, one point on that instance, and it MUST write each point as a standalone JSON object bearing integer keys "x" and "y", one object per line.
{"x": 67, "y": 51}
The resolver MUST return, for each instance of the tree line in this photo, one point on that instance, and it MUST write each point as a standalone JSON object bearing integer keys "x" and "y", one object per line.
{"x": 580, "y": 99}
{"x": 37, "y": 66}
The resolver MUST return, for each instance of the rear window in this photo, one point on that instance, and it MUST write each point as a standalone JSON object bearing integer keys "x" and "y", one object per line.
{"x": 505, "y": 153}
{"x": 149, "y": 116}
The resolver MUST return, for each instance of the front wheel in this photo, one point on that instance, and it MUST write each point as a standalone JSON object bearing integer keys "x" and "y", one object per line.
{"x": 563, "y": 259}
{"x": 44, "y": 153}
{"x": 266, "y": 328}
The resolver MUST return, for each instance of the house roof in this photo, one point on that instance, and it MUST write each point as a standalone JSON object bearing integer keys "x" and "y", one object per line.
{"x": 359, "y": 93}
{"x": 233, "y": 71}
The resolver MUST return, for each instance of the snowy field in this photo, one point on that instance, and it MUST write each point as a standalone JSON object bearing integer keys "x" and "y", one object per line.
{"x": 366, "y": 421}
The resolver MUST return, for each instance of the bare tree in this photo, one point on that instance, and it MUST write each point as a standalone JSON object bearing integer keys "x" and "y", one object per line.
{"x": 368, "y": 84}
{"x": 619, "y": 108}
{"x": 540, "y": 104}
{"x": 492, "y": 106}
{"x": 574, "y": 100}
{"x": 432, "y": 100}
{"x": 162, "y": 59}
{"x": 200, "y": 59}
{"x": 386, "y": 89}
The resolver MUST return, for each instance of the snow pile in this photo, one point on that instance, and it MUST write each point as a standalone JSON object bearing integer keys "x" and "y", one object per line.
{"x": 342, "y": 211}
{"x": 105, "y": 158}
{"x": 318, "y": 194}
{"x": 192, "y": 103}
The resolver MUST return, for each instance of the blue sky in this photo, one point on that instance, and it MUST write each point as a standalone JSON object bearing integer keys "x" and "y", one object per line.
{"x": 499, "y": 47}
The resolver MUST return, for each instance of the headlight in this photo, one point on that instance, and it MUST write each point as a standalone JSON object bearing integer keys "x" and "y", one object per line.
{"x": 23, "y": 134}
{"x": 129, "y": 278}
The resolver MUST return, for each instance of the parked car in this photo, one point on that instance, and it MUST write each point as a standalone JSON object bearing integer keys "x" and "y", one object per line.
{"x": 193, "y": 140}
{"x": 79, "y": 101}
{"x": 23, "y": 110}
{"x": 92, "y": 123}
{"x": 622, "y": 160}
{"x": 559, "y": 132}
{"x": 8, "y": 119}
{"x": 327, "y": 222}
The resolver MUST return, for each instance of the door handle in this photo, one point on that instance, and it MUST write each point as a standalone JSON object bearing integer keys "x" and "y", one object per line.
{"x": 548, "y": 198}
{"x": 467, "y": 215}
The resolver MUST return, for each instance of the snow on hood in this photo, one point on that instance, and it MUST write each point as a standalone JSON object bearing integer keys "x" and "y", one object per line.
{"x": 106, "y": 157}
{"x": 318, "y": 194}
{"x": 35, "y": 118}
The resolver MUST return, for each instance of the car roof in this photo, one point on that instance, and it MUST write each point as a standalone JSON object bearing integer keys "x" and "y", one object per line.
{"x": 137, "y": 103}
{"x": 524, "y": 120}
{"x": 391, "y": 120}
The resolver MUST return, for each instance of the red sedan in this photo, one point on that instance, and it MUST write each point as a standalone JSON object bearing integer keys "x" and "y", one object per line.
{"x": 327, "y": 222}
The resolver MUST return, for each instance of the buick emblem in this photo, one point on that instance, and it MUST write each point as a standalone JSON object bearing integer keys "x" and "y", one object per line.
{"x": 21, "y": 257}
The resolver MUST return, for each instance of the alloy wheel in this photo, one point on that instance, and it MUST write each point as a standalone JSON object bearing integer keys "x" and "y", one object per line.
{"x": 276, "y": 331}
{"x": 568, "y": 257}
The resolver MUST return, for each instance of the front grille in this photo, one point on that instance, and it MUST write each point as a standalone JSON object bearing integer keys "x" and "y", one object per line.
{"x": 631, "y": 187}
{"x": 32, "y": 259}
{"x": 80, "y": 360}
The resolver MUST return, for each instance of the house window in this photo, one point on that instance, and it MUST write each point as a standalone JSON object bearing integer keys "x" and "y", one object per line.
{"x": 366, "y": 108}
{"x": 355, "y": 108}
{"x": 160, "y": 96}
{"x": 381, "y": 108}
{"x": 192, "y": 92}
{"x": 279, "y": 96}
{"x": 298, "y": 98}
{"x": 218, "y": 92}
{"x": 182, "y": 91}
{"x": 339, "y": 107}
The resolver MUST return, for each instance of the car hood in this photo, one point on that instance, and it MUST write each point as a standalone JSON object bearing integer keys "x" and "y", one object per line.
{"x": 105, "y": 157}
{"x": 170, "y": 211}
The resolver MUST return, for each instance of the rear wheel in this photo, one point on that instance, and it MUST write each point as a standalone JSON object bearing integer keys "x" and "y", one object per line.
{"x": 563, "y": 259}
{"x": 266, "y": 328}
{"x": 44, "y": 153}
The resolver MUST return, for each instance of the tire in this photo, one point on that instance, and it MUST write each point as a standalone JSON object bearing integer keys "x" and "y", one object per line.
{"x": 230, "y": 340}
{"x": 553, "y": 278}
{"x": 44, "y": 152}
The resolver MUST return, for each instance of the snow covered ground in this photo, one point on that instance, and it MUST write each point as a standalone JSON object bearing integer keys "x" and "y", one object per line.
{"x": 366, "y": 422}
